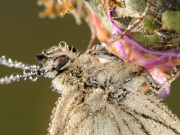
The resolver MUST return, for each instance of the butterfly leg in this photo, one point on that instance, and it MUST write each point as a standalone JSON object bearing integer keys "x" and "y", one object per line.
{"x": 175, "y": 73}
{"x": 116, "y": 37}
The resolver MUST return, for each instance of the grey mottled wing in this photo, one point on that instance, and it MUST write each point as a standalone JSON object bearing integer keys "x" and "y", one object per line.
{"x": 79, "y": 113}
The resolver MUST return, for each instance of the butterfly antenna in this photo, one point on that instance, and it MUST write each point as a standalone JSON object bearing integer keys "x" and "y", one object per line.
{"x": 29, "y": 71}
{"x": 15, "y": 64}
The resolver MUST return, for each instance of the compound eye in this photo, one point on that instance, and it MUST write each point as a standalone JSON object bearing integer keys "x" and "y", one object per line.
{"x": 61, "y": 62}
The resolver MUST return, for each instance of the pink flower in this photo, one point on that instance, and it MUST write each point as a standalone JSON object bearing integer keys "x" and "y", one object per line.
{"x": 158, "y": 63}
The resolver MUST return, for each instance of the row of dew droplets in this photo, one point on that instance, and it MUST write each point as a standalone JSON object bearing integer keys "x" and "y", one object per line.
{"x": 53, "y": 115}
{"x": 29, "y": 71}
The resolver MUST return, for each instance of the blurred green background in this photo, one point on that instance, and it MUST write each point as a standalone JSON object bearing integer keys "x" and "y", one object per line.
{"x": 25, "y": 107}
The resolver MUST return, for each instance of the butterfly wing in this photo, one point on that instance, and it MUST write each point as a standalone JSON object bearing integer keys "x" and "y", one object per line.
{"x": 152, "y": 116}
{"x": 91, "y": 113}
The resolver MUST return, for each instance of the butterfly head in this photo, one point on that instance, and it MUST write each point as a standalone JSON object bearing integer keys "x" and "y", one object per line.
{"x": 57, "y": 58}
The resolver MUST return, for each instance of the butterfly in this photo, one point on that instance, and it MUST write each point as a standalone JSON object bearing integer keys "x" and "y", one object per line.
{"x": 99, "y": 93}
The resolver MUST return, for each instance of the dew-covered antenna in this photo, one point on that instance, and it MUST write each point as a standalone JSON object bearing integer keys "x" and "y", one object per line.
{"x": 29, "y": 71}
